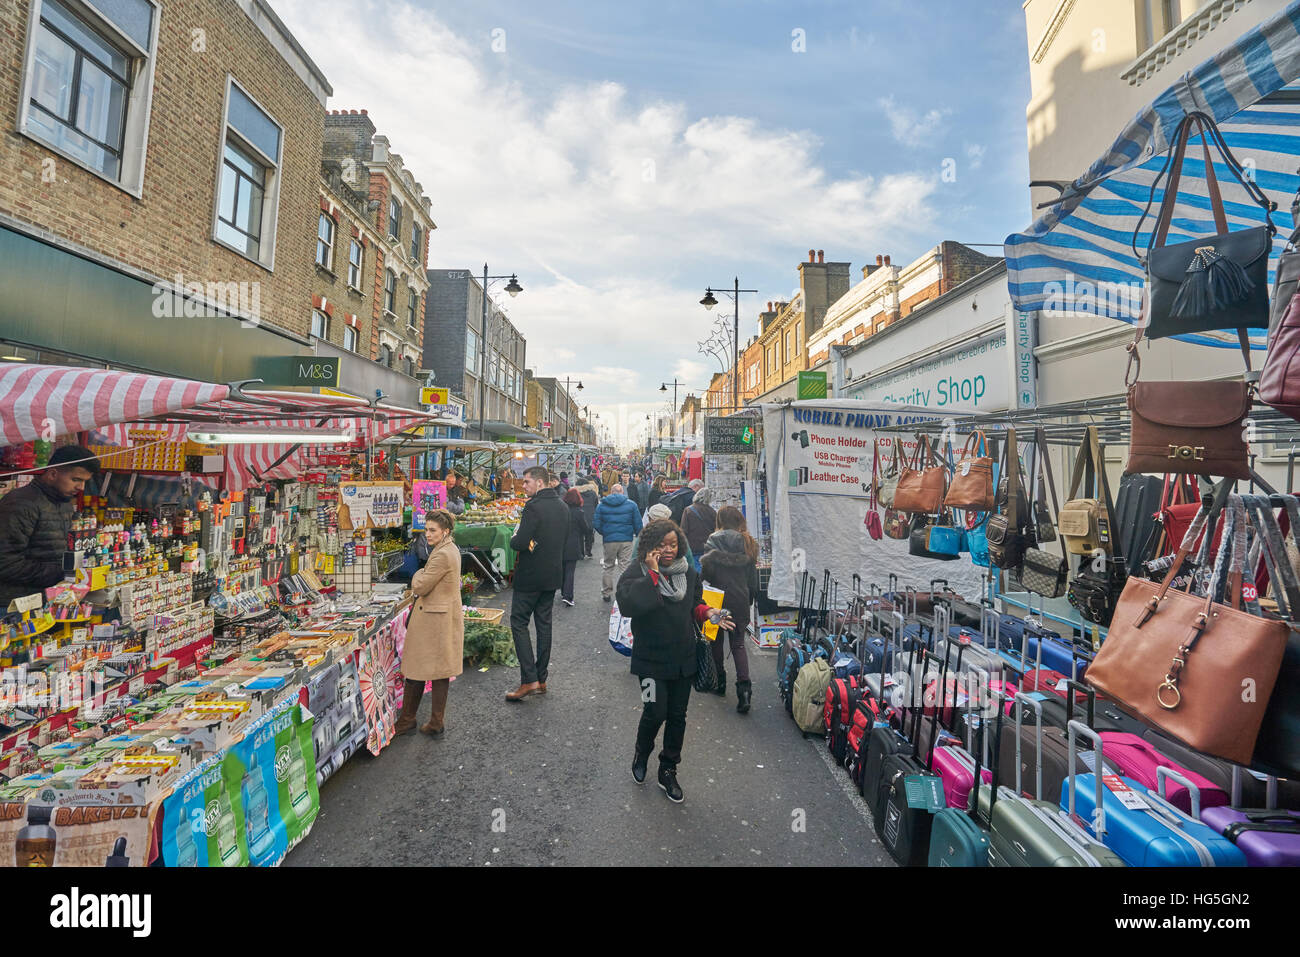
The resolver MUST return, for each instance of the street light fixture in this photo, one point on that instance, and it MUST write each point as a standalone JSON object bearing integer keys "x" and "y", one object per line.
{"x": 708, "y": 302}
{"x": 514, "y": 289}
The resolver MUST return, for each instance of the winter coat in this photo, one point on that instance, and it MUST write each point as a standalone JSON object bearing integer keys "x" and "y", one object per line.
{"x": 698, "y": 523}
{"x": 543, "y": 528}
{"x": 34, "y": 529}
{"x": 679, "y": 501}
{"x": 617, "y": 518}
{"x": 725, "y": 564}
{"x": 639, "y": 492}
{"x": 435, "y": 633}
{"x": 663, "y": 631}
{"x": 590, "y": 498}
{"x": 654, "y": 497}
{"x": 575, "y": 545}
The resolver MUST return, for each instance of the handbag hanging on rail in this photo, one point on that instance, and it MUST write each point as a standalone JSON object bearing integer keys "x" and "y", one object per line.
{"x": 872, "y": 519}
{"x": 1005, "y": 530}
{"x": 921, "y": 485}
{"x": 1184, "y": 664}
{"x": 1213, "y": 282}
{"x": 1042, "y": 572}
{"x": 971, "y": 485}
{"x": 889, "y": 479}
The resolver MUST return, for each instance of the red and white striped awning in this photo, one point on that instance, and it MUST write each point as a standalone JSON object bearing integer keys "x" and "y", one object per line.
{"x": 39, "y": 400}
{"x": 248, "y": 465}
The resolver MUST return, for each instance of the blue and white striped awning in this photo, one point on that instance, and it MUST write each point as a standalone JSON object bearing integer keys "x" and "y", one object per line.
{"x": 1078, "y": 257}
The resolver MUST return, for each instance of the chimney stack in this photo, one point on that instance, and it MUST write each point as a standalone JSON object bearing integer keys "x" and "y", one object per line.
{"x": 880, "y": 260}
{"x": 886, "y": 260}
{"x": 821, "y": 256}
{"x": 769, "y": 305}
{"x": 812, "y": 253}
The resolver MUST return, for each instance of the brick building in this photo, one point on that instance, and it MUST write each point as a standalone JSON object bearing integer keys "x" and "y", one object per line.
{"x": 889, "y": 293}
{"x": 186, "y": 161}
{"x": 378, "y": 236}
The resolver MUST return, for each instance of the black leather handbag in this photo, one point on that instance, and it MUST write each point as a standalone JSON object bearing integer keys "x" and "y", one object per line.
{"x": 1005, "y": 531}
{"x": 1042, "y": 572}
{"x": 1215, "y": 282}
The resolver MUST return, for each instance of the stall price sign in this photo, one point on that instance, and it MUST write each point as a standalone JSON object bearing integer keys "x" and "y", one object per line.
{"x": 729, "y": 436}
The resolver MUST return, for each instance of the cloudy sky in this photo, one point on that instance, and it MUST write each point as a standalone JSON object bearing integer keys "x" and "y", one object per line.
{"x": 620, "y": 157}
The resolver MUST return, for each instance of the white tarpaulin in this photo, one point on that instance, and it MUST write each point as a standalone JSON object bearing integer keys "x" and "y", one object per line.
{"x": 819, "y": 456}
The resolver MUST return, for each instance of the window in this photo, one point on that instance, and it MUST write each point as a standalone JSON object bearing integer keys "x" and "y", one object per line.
{"x": 390, "y": 292}
{"x": 354, "y": 265}
{"x": 394, "y": 217}
{"x": 320, "y": 324}
{"x": 325, "y": 241}
{"x": 87, "y": 85}
{"x": 386, "y": 356}
{"x": 349, "y": 339}
{"x": 417, "y": 242}
{"x": 249, "y": 186}
{"x": 789, "y": 347}
{"x": 408, "y": 366}
{"x": 412, "y": 307}
{"x": 471, "y": 351}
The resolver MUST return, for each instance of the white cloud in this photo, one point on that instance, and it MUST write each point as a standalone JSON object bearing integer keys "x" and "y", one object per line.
{"x": 611, "y": 207}
{"x": 909, "y": 127}
{"x": 975, "y": 153}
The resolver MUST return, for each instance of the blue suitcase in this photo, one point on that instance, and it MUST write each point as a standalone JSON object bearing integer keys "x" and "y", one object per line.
{"x": 1153, "y": 833}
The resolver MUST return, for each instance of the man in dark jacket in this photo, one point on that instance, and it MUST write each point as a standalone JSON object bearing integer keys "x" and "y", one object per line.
{"x": 34, "y": 524}
{"x": 680, "y": 500}
{"x": 543, "y": 530}
{"x": 590, "y": 499}
{"x": 639, "y": 492}
{"x": 618, "y": 521}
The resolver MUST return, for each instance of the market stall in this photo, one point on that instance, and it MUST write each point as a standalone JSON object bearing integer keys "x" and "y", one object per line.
{"x": 221, "y": 642}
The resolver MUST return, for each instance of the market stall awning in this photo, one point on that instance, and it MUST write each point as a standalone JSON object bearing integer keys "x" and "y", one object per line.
{"x": 38, "y": 400}
{"x": 1077, "y": 257}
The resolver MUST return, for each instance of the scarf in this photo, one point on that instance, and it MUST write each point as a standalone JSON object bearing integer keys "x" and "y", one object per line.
{"x": 672, "y": 579}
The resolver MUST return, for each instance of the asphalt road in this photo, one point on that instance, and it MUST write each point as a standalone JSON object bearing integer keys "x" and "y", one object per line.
{"x": 547, "y": 781}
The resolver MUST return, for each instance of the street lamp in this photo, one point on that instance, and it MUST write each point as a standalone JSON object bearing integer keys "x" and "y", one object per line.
{"x": 708, "y": 302}
{"x": 514, "y": 289}
{"x": 664, "y": 388}
{"x": 570, "y": 407}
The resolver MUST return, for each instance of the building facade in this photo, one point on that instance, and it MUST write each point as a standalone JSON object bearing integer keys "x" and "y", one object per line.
{"x": 564, "y": 408}
{"x": 160, "y": 214}
{"x": 377, "y": 238}
{"x": 488, "y": 372}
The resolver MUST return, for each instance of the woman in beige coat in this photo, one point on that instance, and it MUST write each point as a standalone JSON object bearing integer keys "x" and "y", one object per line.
{"x": 435, "y": 634}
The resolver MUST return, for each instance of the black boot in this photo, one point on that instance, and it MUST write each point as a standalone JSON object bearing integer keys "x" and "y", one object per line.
{"x": 668, "y": 781}
{"x": 742, "y": 697}
{"x": 720, "y": 689}
{"x": 639, "y": 761}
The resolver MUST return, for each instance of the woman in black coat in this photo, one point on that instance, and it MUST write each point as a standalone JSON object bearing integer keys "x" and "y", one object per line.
{"x": 575, "y": 544}
{"x": 729, "y": 561}
{"x": 657, "y": 491}
{"x": 661, "y": 593}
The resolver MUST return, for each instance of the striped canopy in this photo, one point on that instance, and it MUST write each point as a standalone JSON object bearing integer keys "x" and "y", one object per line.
{"x": 37, "y": 400}
{"x": 1078, "y": 256}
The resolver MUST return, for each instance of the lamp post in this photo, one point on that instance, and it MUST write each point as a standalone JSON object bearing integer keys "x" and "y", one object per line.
{"x": 570, "y": 407}
{"x": 514, "y": 289}
{"x": 708, "y": 302}
{"x": 663, "y": 387}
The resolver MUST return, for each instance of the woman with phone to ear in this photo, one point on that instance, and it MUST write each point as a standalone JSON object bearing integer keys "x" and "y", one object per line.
{"x": 661, "y": 593}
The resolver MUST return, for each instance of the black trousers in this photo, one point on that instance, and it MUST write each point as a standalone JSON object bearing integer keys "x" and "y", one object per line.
{"x": 664, "y": 700}
{"x": 588, "y": 540}
{"x": 536, "y": 605}
{"x": 566, "y": 590}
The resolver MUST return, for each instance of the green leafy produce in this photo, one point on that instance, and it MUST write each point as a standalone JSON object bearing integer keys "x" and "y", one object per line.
{"x": 487, "y": 644}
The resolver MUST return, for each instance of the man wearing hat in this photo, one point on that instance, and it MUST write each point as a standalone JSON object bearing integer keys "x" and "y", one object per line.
{"x": 35, "y": 521}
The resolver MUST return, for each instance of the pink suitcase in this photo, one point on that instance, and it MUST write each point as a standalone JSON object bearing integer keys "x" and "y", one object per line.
{"x": 1137, "y": 759}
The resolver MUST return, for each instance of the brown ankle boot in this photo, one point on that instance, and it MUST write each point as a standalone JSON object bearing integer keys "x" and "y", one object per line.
{"x": 412, "y": 692}
{"x": 438, "y": 701}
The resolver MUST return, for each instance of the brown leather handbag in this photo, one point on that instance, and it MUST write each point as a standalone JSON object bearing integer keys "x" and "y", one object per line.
{"x": 1279, "y": 385}
{"x": 1197, "y": 669}
{"x": 921, "y": 486}
{"x": 972, "y": 478}
{"x": 1191, "y": 428}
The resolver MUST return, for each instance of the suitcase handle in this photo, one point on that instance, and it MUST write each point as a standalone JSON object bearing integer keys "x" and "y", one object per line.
{"x": 1076, "y": 728}
{"x": 1070, "y": 686}
{"x": 1037, "y": 707}
{"x": 1163, "y": 774}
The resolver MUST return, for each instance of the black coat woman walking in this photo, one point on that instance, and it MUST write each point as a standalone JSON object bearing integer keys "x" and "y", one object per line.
{"x": 660, "y": 592}
{"x": 575, "y": 544}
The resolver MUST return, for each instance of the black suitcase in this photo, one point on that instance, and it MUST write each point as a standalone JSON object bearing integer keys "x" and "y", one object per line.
{"x": 905, "y": 830}
{"x": 1135, "y": 518}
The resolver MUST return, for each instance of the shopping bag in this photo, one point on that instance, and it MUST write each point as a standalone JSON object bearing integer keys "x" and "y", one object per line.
{"x": 713, "y": 598}
{"x": 620, "y": 632}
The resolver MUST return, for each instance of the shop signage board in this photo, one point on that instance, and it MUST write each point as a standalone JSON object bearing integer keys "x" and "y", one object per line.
{"x": 427, "y": 494}
{"x": 729, "y": 436}
{"x": 829, "y": 451}
{"x": 318, "y": 371}
{"x": 1024, "y": 333}
{"x": 371, "y": 505}
{"x": 432, "y": 396}
{"x": 968, "y": 378}
{"x": 812, "y": 385}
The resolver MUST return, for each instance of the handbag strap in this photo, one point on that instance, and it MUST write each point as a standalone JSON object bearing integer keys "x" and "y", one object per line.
{"x": 1099, "y": 454}
{"x": 1286, "y": 588}
{"x": 1012, "y": 467}
{"x": 1170, "y": 199}
{"x": 1044, "y": 463}
{"x": 875, "y": 475}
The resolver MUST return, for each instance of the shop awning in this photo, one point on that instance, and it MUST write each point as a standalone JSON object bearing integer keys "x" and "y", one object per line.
{"x": 1078, "y": 256}
{"x": 38, "y": 400}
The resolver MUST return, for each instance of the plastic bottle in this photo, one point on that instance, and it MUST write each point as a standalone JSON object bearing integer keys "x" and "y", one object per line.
{"x": 34, "y": 845}
{"x": 257, "y": 818}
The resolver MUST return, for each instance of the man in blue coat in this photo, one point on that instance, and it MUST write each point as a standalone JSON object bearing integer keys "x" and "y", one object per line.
{"x": 618, "y": 521}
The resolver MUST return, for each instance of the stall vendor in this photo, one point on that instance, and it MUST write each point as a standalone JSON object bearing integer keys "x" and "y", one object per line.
{"x": 35, "y": 521}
